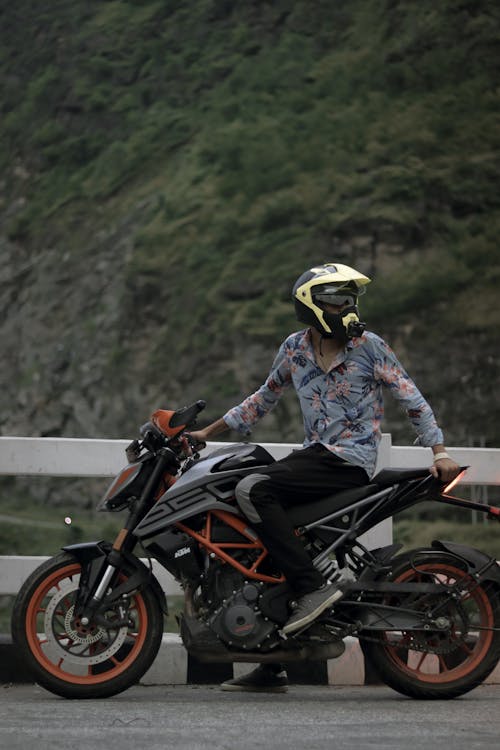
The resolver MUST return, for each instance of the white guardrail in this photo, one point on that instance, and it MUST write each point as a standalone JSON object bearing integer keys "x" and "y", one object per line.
{"x": 66, "y": 457}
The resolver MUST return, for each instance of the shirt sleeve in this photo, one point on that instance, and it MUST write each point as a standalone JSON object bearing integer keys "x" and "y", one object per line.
{"x": 254, "y": 407}
{"x": 390, "y": 372}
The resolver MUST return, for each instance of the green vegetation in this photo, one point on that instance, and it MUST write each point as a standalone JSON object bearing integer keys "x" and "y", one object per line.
{"x": 257, "y": 130}
{"x": 239, "y": 140}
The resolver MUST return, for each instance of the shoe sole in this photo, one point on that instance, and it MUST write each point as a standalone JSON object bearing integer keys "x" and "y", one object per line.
{"x": 298, "y": 624}
{"x": 241, "y": 689}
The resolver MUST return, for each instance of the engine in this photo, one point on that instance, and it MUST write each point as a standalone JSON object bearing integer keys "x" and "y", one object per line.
{"x": 233, "y": 612}
{"x": 235, "y": 608}
{"x": 240, "y": 622}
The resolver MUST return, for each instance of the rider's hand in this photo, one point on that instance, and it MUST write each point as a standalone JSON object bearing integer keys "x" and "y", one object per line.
{"x": 445, "y": 469}
{"x": 199, "y": 438}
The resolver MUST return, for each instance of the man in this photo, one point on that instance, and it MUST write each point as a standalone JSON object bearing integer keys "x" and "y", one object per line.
{"x": 338, "y": 371}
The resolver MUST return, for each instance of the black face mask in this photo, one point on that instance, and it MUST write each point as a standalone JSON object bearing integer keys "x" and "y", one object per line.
{"x": 345, "y": 325}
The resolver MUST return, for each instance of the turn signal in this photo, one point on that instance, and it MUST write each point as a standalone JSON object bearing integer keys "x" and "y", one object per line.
{"x": 453, "y": 482}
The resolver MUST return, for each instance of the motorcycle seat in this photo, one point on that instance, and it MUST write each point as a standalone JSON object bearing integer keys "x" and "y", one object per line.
{"x": 310, "y": 512}
{"x": 393, "y": 476}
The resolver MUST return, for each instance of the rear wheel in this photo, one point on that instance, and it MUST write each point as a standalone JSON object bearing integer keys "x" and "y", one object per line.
{"x": 75, "y": 661}
{"x": 450, "y": 660}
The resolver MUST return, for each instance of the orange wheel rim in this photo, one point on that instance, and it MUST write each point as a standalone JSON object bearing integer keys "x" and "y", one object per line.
{"x": 432, "y": 667}
{"x": 57, "y": 653}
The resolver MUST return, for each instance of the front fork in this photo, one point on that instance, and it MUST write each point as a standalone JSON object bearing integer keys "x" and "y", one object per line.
{"x": 100, "y": 564}
{"x": 102, "y": 587}
{"x": 89, "y": 607}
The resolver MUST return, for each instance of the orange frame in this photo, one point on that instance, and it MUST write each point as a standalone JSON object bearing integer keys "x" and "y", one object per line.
{"x": 218, "y": 548}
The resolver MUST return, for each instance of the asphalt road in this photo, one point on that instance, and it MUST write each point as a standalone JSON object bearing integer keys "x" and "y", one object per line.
{"x": 204, "y": 718}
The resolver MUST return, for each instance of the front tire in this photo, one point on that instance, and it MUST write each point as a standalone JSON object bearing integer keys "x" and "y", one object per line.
{"x": 439, "y": 663}
{"x": 76, "y": 662}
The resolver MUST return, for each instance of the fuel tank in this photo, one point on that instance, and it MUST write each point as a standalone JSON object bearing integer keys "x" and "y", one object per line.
{"x": 208, "y": 485}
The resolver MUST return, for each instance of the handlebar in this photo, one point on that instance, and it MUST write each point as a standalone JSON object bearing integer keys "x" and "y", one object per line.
{"x": 186, "y": 416}
{"x": 171, "y": 434}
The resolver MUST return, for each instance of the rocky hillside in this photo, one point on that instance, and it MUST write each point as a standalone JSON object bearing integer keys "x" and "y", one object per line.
{"x": 169, "y": 169}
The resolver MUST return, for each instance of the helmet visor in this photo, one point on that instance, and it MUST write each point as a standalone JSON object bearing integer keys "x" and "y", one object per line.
{"x": 338, "y": 294}
{"x": 338, "y": 300}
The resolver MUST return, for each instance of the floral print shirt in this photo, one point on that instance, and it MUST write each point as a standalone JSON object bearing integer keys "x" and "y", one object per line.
{"x": 341, "y": 408}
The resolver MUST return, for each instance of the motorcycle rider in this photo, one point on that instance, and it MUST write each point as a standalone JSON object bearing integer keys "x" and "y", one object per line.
{"x": 338, "y": 370}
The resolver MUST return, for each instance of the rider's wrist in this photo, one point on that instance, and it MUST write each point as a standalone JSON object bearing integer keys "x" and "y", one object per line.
{"x": 440, "y": 455}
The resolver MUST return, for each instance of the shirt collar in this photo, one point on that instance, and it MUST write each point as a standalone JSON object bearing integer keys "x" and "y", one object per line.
{"x": 309, "y": 350}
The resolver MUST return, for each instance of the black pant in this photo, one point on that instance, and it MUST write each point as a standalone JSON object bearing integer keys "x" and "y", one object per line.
{"x": 307, "y": 474}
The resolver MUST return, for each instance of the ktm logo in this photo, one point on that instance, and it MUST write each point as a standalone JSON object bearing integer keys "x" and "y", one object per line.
{"x": 183, "y": 551}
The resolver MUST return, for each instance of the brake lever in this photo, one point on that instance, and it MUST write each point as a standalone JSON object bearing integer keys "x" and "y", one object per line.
{"x": 194, "y": 445}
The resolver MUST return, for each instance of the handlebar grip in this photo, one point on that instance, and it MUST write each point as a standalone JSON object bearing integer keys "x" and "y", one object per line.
{"x": 185, "y": 417}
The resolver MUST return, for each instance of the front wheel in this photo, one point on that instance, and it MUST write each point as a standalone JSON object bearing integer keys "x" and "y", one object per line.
{"x": 68, "y": 659}
{"x": 445, "y": 662}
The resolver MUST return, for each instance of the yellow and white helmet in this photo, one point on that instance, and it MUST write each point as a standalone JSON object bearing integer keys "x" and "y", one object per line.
{"x": 335, "y": 284}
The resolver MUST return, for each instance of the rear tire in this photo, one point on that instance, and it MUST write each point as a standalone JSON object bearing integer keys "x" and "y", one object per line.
{"x": 77, "y": 662}
{"x": 442, "y": 663}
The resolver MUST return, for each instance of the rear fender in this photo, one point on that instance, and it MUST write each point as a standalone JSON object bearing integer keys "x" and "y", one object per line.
{"x": 481, "y": 566}
{"x": 93, "y": 558}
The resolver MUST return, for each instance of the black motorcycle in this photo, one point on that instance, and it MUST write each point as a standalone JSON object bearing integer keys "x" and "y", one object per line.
{"x": 89, "y": 621}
